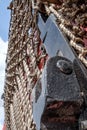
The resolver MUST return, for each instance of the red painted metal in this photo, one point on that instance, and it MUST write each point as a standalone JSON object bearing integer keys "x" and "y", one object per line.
{"x": 4, "y": 127}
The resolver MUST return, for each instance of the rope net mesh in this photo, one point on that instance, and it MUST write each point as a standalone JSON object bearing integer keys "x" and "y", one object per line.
{"x": 22, "y": 70}
{"x": 71, "y": 18}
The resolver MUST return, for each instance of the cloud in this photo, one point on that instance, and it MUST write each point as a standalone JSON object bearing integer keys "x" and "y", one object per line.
{"x": 1, "y": 115}
{"x": 3, "y": 51}
{"x": 1, "y": 126}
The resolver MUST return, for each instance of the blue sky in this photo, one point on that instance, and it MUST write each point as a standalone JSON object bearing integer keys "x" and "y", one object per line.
{"x": 4, "y": 28}
{"x": 4, "y": 19}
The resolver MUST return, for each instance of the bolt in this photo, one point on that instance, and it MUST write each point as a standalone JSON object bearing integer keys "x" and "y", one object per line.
{"x": 64, "y": 66}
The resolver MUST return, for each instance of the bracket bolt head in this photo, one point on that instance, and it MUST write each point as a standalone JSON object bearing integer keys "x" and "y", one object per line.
{"x": 64, "y": 66}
